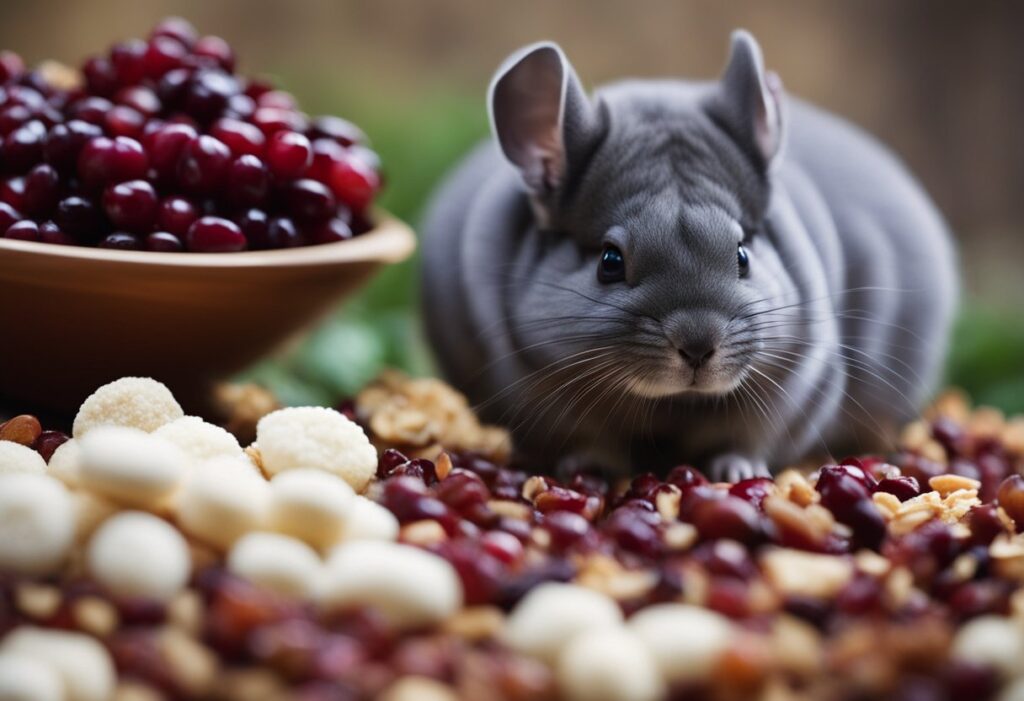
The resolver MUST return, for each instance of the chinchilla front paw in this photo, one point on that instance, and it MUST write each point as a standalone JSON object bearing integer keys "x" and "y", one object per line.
{"x": 733, "y": 467}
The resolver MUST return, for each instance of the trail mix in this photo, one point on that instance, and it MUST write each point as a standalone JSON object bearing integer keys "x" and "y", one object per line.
{"x": 150, "y": 556}
{"x": 160, "y": 145}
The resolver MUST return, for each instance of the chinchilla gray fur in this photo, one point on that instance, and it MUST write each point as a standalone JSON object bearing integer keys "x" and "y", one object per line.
{"x": 671, "y": 271}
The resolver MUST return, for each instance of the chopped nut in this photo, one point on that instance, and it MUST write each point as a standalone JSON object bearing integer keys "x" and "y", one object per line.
{"x": 424, "y": 532}
{"x": 907, "y": 522}
{"x": 23, "y": 429}
{"x": 934, "y": 451}
{"x": 135, "y": 691}
{"x": 887, "y": 503}
{"x": 419, "y": 689}
{"x": 443, "y": 466}
{"x": 792, "y": 518}
{"x": 899, "y": 586}
{"x": 679, "y": 536}
{"x": 534, "y": 486}
{"x": 1013, "y": 436}
{"x": 986, "y": 422}
{"x": 947, "y": 484}
{"x": 60, "y": 76}
{"x": 915, "y": 435}
{"x": 800, "y": 573}
{"x": 667, "y": 503}
{"x": 242, "y": 406}
{"x": 186, "y": 612}
{"x": 795, "y": 487}
{"x": 606, "y": 575}
{"x": 193, "y": 666}
{"x": 37, "y": 600}
{"x": 871, "y": 563}
{"x": 95, "y": 616}
{"x": 1007, "y": 553}
{"x": 510, "y": 509}
{"x": 476, "y": 623}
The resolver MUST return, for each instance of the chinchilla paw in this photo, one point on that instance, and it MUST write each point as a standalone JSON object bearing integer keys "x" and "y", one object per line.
{"x": 732, "y": 467}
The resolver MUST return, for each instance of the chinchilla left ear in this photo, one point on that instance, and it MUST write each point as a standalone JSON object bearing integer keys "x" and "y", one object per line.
{"x": 749, "y": 101}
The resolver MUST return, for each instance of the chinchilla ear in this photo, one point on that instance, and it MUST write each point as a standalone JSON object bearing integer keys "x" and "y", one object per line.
{"x": 541, "y": 116}
{"x": 749, "y": 100}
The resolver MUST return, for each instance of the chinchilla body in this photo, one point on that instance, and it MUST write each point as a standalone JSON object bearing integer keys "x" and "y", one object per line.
{"x": 671, "y": 271}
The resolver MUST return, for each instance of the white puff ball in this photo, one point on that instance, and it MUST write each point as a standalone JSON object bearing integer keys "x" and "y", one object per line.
{"x": 66, "y": 463}
{"x": 137, "y": 402}
{"x": 91, "y": 510}
{"x": 609, "y": 664}
{"x": 368, "y": 520}
{"x": 23, "y": 678}
{"x": 278, "y": 562}
{"x": 15, "y": 457}
{"x": 411, "y": 587}
{"x": 316, "y": 437}
{"x": 37, "y": 523}
{"x": 137, "y": 554}
{"x": 309, "y": 504}
{"x": 687, "y": 641}
{"x": 992, "y": 641}
{"x": 200, "y": 440}
{"x": 550, "y": 615}
{"x": 84, "y": 665}
{"x": 130, "y": 466}
{"x": 222, "y": 500}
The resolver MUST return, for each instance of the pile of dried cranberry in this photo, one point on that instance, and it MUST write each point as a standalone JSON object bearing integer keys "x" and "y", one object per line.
{"x": 161, "y": 146}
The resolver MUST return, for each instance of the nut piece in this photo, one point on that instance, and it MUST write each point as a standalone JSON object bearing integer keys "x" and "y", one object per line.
{"x": 23, "y": 429}
{"x": 83, "y": 664}
{"x": 794, "y": 572}
{"x": 37, "y": 523}
{"x": 368, "y": 520}
{"x": 947, "y": 484}
{"x": 553, "y": 613}
{"x": 136, "y": 402}
{"x": 23, "y": 678}
{"x": 200, "y": 440}
{"x": 223, "y": 500}
{"x": 687, "y": 641}
{"x": 319, "y": 438}
{"x": 410, "y": 586}
{"x": 65, "y": 463}
{"x": 416, "y": 688}
{"x": 278, "y": 562}
{"x": 14, "y": 457}
{"x": 310, "y": 505}
{"x": 129, "y": 466}
{"x": 991, "y": 641}
{"x": 611, "y": 664}
{"x": 137, "y": 554}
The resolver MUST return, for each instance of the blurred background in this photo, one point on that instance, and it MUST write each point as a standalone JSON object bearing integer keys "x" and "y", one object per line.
{"x": 941, "y": 83}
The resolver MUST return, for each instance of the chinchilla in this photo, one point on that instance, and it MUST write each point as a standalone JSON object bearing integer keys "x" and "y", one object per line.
{"x": 671, "y": 271}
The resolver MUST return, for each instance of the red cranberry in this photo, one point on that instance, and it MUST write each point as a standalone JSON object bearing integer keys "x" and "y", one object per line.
{"x": 861, "y": 596}
{"x": 1011, "y": 498}
{"x": 42, "y": 188}
{"x": 635, "y": 530}
{"x": 176, "y": 215}
{"x": 122, "y": 241}
{"x": 753, "y": 490}
{"x": 407, "y": 498}
{"x": 340, "y": 130}
{"x": 240, "y": 107}
{"x": 255, "y": 225}
{"x": 354, "y": 182}
{"x": 8, "y": 215}
{"x": 684, "y": 477}
{"x": 100, "y": 76}
{"x": 124, "y": 121}
{"x": 271, "y": 120}
{"x": 289, "y": 154}
{"x": 846, "y": 495}
{"x": 163, "y": 54}
{"x": 951, "y": 435}
{"x": 49, "y": 232}
{"x": 166, "y": 145}
{"x": 241, "y": 137}
{"x": 461, "y": 490}
{"x": 481, "y": 573}
{"x": 176, "y": 28}
{"x": 128, "y": 59}
{"x": 503, "y": 546}
{"x": 309, "y": 201}
{"x": 248, "y": 181}
{"x": 131, "y": 205}
{"x": 901, "y": 487}
{"x": 164, "y": 242}
{"x": 11, "y": 66}
{"x": 331, "y": 231}
{"x": 284, "y": 233}
{"x": 25, "y": 230}
{"x": 12, "y": 192}
{"x": 204, "y": 164}
{"x": 725, "y": 558}
{"x": 277, "y": 98}
{"x": 325, "y": 153}
{"x": 216, "y": 49}
{"x": 48, "y": 442}
{"x": 731, "y": 518}
{"x": 214, "y": 235}
{"x": 23, "y": 147}
{"x": 12, "y": 117}
{"x": 695, "y": 496}
{"x": 985, "y": 524}
{"x": 79, "y": 217}
{"x": 567, "y": 529}
{"x": 140, "y": 98}
{"x": 104, "y": 161}
{"x": 207, "y": 94}
{"x": 65, "y": 141}
{"x": 172, "y": 86}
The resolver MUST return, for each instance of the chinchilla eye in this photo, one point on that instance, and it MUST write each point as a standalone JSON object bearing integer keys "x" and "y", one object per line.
{"x": 612, "y": 267}
{"x": 743, "y": 260}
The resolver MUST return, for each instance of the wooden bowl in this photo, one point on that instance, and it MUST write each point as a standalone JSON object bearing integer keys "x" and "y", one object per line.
{"x": 72, "y": 319}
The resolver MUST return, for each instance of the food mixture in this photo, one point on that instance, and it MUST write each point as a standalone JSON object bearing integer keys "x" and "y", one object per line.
{"x": 160, "y": 145}
{"x": 392, "y": 549}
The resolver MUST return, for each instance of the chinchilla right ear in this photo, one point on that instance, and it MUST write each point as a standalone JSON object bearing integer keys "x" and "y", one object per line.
{"x": 541, "y": 117}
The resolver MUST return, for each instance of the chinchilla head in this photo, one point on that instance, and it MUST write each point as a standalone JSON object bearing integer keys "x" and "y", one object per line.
{"x": 650, "y": 200}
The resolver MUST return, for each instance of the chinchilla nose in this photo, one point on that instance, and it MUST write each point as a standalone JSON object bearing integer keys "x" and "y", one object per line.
{"x": 696, "y": 336}
{"x": 697, "y": 352}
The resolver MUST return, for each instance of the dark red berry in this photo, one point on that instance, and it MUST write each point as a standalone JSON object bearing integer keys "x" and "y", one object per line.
{"x": 217, "y": 50}
{"x": 128, "y": 60}
{"x": 104, "y": 161}
{"x": 48, "y": 442}
{"x": 901, "y": 487}
{"x": 65, "y": 141}
{"x": 164, "y": 242}
{"x": 131, "y": 205}
{"x": 248, "y": 181}
{"x": 42, "y": 188}
{"x": 203, "y": 165}
{"x": 163, "y": 54}
{"x": 23, "y": 147}
{"x": 214, "y": 235}
{"x": 79, "y": 217}
{"x": 90, "y": 109}
{"x": 25, "y": 230}
{"x": 8, "y": 215}
{"x": 1011, "y": 498}
{"x": 100, "y": 76}
{"x": 176, "y": 28}
{"x": 49, "y": 232}
{"x": 340, "y": 130}
{"x": 165, "y": 146}
{"x": 255, "y": 225}
{"x": 277, "y": 98}
{"x": 122, "y": 120}
{"x": 354, "y": 182}
{"x": 11, "y": 66}
{"x": 285, "y": 234}
{"x": 274, "y": 119}
{"x": 176, "y": 215}
{"x": 732, "y": 517}
{"x": 309, "y": 201}
{"x": 331, "y": 231}
{"x": 753, "y": 490}
{"x": 207, "y": 93}
{"x": 140, "y": 98}
{"x": 12, "y": 191}
{"x": 289, "y": 154}
{"x": 122, "y": 241}
{"x": 241, "y": 137}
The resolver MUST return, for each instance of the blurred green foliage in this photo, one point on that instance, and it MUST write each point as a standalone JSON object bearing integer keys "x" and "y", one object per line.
{"x": 419, "y": 138}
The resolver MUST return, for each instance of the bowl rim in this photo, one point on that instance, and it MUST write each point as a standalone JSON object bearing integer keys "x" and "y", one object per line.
{"x": 390, "y": 241}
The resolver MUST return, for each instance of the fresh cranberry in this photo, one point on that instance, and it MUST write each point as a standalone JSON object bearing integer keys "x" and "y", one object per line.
{"x": 176, "y": 28}
{"x": 481, "y": 573}
{"x": 240, "y": 107}
{"x": 635, "y": 530}
{"x": 255, "y": 225}
{"x": 567, "y": 529}
{"x": 241, "y": 137}
{"x": 216, "y": 49}
{"x": 79, "y": 217}
{"x": 122, "y": 120}
{"x": 289, "y": 154}
{"x": 309, "y": 201}
{"x": 985, "y": 524}
{"x": 340, "y": 130}
{"x": 725, "y": 558}
{"x": 354, "y": 182}
{"x": 204, "y": 164}
{"x": 164, "y": 242}
{"x": 753, "y": 490}
{"x": 128, "y": 59}
{"x": 11, "y": 66}
{"x": 121, "y": 240}
{"x": 503, "y": 546}
{"x": 8, "y": 215}
{"x": 951, "y": 435}
{"x": 25, "y": 230}
{"x": 175, "y": 215}
{"x": 12, "y": 117}
{"x": 277, "y": 98}
{"x": 271, "y": 120}
{"x": 207, "y": 94}
{"x": 902, "y": 487}
{"x": 171, "y": 88}
{"x": 285, "y": 234}
{"x": 42, "y": 189}
{"x": 23, "y": 147}
{"x": 166, "y": 145}
{"x": 248, "y": 181}
{"x": 325, "y": 153}
{"x": 12, "y": 192}
{"x": 131, "y": 205}
{"x": 65, "y": 141}
{"x": 461, "y": 489}
{"x": 103, "y": 161}
{"x": 731, "y": 518}
{"x": 695, "y": 496}
{"x": 100, "y": 76}
{"x": 49, "y": 232}
{"x": 214, "y": 235}
{"x": 331, "y": 231}
{"x": 862, "y": 595}
{"x": 684, "y": 477}
{"x": 163, "y": 54}
{"x": 845, "y": 493}
{"x": 48, "y": 442}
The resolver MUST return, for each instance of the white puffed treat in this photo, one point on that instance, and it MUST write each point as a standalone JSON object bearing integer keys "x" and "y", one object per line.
{"x": 37, "y": 523}
{"x": 138, "y": 554}
{"x": 130, "y": 466}
{"x": 310, "y": 505}
{"x": 278, "y": 562}
{"x": 992, "y": 641}
{"x": 15, "y": 457}
{"x": 316, "y": 437}
{"x": 137, "y": 402}
{"x": 91, "y": 510}
{"x": 550, "y": 615}
{"x": 200, "y": 440}
{"x": 368, "y": 520}
{"x": 222, "y": 500}
{"x": 687, "y": 641}
{"x": 82, "y": 662}
{"x": 608, "y": 664}
{"x": 410, "y": 586}
{"x": 24, "y": 678}
{"x": 66, "y": 463}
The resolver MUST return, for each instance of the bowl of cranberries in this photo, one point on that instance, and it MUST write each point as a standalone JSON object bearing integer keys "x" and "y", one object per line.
{"x": 162, "y": 214}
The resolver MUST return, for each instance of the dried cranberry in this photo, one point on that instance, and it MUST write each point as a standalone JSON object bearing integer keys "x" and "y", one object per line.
{"x": 753, "y": 490}
{"x": 902, "y": 487}
{"x": 1011, "y": 498}
{"x": 48, "y": 442}
{"x": 846, "y": 494}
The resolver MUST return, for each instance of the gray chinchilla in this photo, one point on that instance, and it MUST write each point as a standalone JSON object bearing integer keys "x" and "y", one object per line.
{"x": 676, "y": 271}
